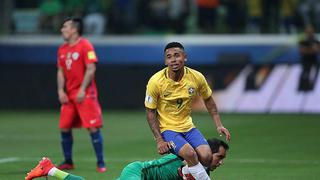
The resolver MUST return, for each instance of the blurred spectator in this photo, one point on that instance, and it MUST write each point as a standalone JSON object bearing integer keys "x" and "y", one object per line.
{"x": 95, "y": 18}
{"x": 74, "y": 8}
{"x": 236, "y": 16}
{"x": 159, "y": 14}
{"x": 309, "y": 47}
{"x": 310, "y": 11}
{"x": 207, "y": 14}
{"x": 143, "y": 14}
{"x": 287, "y": 16}
{"x": 123, "y": 16}
{"x": 270, "y": 17}
{"x": 179, "y": 11}
{"x": 50, "y": 15}
{"x": 254, "y": 10}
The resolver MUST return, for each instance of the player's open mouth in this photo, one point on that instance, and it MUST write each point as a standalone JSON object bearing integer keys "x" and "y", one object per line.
{"x": 175, "y": 66}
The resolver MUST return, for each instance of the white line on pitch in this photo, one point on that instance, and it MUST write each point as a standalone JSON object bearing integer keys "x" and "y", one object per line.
{"x": 10, "y": 159}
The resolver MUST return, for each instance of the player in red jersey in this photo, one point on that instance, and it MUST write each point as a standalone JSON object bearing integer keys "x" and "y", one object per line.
{"x": 77, "y": 91}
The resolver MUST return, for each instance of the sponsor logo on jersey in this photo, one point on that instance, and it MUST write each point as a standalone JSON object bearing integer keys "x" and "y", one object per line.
{"x": 166, "y": 94}
{"x": 92, "y": 121}
{"x": 91, "y": 55}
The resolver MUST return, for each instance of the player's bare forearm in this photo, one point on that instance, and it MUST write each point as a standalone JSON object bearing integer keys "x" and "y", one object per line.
{"x": 213, "y": 111}
{"x": 162, "y": 146}
{"x": 60, "y": 80}
{"x": 153, "y": 123}
{"x": 88, "y": 76}
{"x": 63, "y": 98}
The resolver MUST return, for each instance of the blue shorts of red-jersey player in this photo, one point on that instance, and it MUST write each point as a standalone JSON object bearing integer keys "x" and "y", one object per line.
{"x": 85, "y": 114}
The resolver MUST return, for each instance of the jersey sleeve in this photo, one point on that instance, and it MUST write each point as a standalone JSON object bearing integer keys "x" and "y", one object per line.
{"x": 89, "y": 53}
{"x": 152, "y": 94}
{"x": 204, "y": 88}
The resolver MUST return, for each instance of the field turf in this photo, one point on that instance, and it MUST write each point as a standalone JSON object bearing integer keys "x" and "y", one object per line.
{"x": 263, "y": 147}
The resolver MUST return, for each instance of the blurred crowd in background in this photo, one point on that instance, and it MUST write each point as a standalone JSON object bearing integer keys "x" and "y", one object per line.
{"x": 165, "y": 16}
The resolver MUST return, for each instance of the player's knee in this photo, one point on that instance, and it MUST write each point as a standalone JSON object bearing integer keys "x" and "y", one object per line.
{"x": 92, "y": 129}
{"x": 190, "y": 154}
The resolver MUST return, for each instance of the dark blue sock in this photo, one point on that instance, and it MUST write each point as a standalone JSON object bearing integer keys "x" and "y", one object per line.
{"x": 97, "y": 142}
{"x": 66, "y": 142}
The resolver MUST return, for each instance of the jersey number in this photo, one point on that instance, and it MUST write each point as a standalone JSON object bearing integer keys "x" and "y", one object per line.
{"x": 68, "y": 64}
{"x": 179, "y": 102}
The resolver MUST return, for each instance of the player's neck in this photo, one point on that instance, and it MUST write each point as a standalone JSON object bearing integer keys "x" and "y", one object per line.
{"x": 176, "y": 75}
{"x": 74, "y": 40}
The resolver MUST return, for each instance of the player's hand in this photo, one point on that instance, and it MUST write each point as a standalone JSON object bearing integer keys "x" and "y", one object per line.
{"x": 63, "y": 98}
{"x": 81, "y": 95}
{"x": 222, "y": 130}
{"x": 163, "y": 147}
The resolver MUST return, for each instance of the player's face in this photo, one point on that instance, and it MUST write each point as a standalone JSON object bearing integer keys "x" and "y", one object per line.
{"x": 67, "y": 30}
{"x": 217, "y": 158}
{"x": 175, "y": 58}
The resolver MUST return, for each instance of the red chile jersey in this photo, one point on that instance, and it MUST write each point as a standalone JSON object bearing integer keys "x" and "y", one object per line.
{"x": 73, "y": 60}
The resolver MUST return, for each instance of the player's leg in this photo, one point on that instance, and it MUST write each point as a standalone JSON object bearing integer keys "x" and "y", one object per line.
{"x": 194, "y": 166}
{"x": 181, "y": 147}
{"x": 62, "y": 175}
{"x": 46, "y": 168}
{"x": 201, "y": 146}
{"x": 91, "y": 118}
{"x": 185, "y": 150}
{"x": 67, "y": 117}
{"x": 97, "y": 143}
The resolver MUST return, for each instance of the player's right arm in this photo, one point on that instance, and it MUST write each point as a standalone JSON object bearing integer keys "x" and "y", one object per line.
{"x": 151, "y": 102}
{"x": 162, "y": 146}
{"x": 63, "y": 98}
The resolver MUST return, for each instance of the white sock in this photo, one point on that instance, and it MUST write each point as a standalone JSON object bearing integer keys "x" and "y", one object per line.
{"x": 185, "y": 170}
{"x": 198, "y": 172}
{"x": 52, "y": 171}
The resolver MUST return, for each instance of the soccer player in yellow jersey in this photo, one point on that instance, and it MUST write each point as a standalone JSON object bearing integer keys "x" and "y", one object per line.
{"x": 168, "y": 105}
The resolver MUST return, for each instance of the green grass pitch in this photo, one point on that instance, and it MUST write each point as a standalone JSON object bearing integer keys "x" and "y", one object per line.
{"x": 263, "y": 147}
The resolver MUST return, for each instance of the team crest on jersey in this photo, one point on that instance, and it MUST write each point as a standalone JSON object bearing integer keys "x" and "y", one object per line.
{"x": 75, "y": 56}
{"x": 191, "y": 90}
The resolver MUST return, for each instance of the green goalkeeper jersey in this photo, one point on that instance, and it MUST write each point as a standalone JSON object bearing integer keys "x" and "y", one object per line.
{"x": 165, "y": 168}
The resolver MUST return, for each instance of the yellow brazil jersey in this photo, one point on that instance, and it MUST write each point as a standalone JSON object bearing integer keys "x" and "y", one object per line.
{"x": 173, "y": 100}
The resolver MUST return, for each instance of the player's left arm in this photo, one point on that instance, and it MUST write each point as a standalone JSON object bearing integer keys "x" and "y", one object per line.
{"x": 213, "y": 111}
{"x": 88, "y": 77}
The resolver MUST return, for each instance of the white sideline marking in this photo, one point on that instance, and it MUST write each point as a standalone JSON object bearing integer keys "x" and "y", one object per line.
{"x": 240, "y": 161}
{"x": 9, "y": 159}
{"x": 273, "y": 161}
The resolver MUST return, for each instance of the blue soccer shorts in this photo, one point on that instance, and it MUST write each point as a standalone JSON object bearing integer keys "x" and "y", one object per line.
{"x": 178, "y": 139}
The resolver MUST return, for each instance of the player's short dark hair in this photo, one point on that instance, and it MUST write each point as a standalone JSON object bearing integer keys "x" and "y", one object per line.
{"x": 172, "y": 45}
{"x": 77, "y": 23}
{"x": 215, "y": 144}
